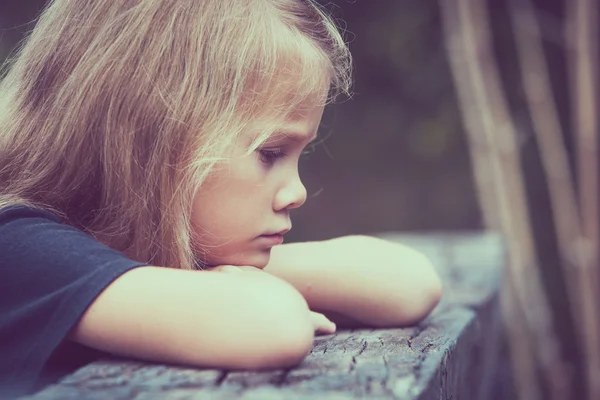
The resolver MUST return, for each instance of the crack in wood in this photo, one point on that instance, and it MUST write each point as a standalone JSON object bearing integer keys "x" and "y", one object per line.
{"x": 363, "y": 348}
{"x": 280, "y": 381}
{"x": 352, "y": 364}
{"x": 417, "y": 368}
{"x": 222, "y": 376}
{"x": 420, "y": 328}
{"x": 386, "y": 378}
{"x": 427, "y": 347}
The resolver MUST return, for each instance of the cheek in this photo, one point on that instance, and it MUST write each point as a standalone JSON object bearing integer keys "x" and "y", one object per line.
{"x": 226, "y": 202}
{"x": 206, "y": 206}
{"x": 234, "y": 197}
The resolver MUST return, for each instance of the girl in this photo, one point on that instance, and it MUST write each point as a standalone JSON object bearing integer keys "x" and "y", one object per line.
{"x": 148, "y": 165}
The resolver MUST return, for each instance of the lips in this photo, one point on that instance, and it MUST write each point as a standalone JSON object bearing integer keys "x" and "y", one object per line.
{"x": 272, "y": 240}
{"x": 281, "y": 232}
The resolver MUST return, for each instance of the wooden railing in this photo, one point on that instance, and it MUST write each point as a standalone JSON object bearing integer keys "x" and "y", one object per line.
{"x": 456, "y": 353}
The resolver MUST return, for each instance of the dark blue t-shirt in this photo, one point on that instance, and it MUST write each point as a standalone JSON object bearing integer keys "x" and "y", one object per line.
{"x": 50, "y": 273}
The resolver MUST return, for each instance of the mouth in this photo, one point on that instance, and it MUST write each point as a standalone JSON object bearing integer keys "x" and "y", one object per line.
{"x": 273, "y": 239}
{"x": 281, "y": 232}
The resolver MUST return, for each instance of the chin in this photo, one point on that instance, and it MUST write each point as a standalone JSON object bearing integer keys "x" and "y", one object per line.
{"x": 258, "y": 259}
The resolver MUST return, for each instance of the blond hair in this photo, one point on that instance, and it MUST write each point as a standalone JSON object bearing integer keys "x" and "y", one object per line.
{"x": 113, "y": 113}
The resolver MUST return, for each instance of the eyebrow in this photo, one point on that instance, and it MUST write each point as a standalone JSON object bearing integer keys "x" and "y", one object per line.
{"x": 295, "y": 136}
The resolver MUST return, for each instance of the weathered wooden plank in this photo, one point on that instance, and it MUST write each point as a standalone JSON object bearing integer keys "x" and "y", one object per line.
{"x": 453, "y": 354}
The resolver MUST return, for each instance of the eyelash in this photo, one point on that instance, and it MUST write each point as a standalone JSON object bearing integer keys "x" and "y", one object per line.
{"x": 271, "y": 156}
{"x": 309, "y": 149}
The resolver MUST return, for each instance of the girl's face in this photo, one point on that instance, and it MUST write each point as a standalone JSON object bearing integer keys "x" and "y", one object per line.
{"x": 243, "y": 205}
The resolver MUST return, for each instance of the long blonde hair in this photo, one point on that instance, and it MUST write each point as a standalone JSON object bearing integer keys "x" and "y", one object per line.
{"x": 113, "y": 112}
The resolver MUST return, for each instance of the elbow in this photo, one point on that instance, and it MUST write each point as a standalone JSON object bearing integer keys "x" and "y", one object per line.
{"x": 280, "y": 348}
{"x": 426, "y": 295}
{"x": 291, "y": 341}
{"x": 287, "y": 348}
{"x": 414, "y": 302}
{"x": 408, "y": 311}
{"x": 290, "y": 337}
{"x": 429, "y": 298}
{"x": 295, "y": 350}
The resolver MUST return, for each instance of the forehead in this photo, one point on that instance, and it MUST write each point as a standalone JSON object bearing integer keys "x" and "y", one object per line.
{"x": 301, "y": 122}
{"x": 288, "y": 104}
{"x": 304, "y": 120}
{"x": 290, "y": 92}
{"x": 299, "y": 126}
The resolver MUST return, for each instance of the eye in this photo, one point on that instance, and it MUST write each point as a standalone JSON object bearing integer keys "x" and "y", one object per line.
{"x": 269, "y": 156}
{"x": 309, "y": 149}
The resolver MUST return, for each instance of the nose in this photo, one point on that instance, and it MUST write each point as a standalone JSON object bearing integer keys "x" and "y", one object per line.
{"x": 291, "y": 195}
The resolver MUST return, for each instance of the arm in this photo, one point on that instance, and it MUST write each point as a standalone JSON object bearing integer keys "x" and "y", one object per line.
{"x": 199, "y": 318}
{"x": 360, "y": 280}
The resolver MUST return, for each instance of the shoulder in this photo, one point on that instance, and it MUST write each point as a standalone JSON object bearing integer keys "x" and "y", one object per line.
{"x": 26, "y": 231}
{"x": 20, "y": 221}
{"x": 24, "y": 225}
{"x": 40, "y": 251}
{"x": 51, "y": 272}
{"x": 36, "y": 239}
{"x": 16, "y": 212}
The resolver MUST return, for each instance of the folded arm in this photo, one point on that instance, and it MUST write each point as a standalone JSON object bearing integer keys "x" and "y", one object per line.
{"x": 213, "y": 320}
{"x": 360, "y": 280}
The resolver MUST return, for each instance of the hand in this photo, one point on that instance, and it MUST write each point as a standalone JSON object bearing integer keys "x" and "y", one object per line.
{"x": 233, "y": 269}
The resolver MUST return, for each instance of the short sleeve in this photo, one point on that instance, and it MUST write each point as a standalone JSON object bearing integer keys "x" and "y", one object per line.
{"x": 50, "y": 273}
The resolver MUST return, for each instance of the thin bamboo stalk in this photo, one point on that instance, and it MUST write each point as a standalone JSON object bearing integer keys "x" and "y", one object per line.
{"x": 527, "y": 275}
{"x": 468, "y": 90}
{"x": 578, "y": 269}
{"x": 488, "y": 120}
{"x": 547, "y": 128}
{"x": 583, "y": 22}
{"x": 479, "y": 94}
{"x": 524, "y": 366}
{"x": 582, "y": 50}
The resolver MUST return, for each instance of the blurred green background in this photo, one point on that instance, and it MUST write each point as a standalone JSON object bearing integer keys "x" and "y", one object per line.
{"x": 395, "y": 157}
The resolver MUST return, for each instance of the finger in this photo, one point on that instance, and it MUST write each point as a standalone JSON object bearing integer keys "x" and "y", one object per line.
{"x": 249, "y": 268}
{"x": 224, "y": 268}
{"x": 321, "y": 323}
{"x": 231, "y": 269}
{"x": 327, "y": 330}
